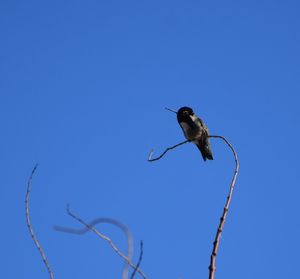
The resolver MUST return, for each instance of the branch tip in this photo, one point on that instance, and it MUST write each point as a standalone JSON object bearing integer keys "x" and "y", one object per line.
{"x": 150, "y": 155}
{"x": 166, "y": 150}
{"x": 30, "y": 227}
{"x": 34, "y": 168}
{"x": 139, "y": 261}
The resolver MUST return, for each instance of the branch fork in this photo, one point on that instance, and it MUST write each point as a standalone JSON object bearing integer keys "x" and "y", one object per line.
{"x": 216, "y": 243}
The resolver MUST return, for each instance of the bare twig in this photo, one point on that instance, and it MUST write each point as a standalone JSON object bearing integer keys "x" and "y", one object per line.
{"x": 106, "y": 238}
{"x": 112, "y": 221}
{"x": 29, "y": 225}
{"x": 166, "y": 150}
{"x": 212, "y": 266}
{"x": 139, "y": 261}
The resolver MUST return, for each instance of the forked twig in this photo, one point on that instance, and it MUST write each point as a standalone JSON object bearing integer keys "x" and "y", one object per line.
{"x": 212, "y": 266}
{"x": 139, "y": 261}
{"x": 29, "y": 225}
{"x": 106, "y": 220}
{"x": 106, "y": 238}
{"x": 166, "y": 150}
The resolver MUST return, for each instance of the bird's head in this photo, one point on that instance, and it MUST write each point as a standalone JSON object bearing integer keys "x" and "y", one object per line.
{"x": 184, "y": 113}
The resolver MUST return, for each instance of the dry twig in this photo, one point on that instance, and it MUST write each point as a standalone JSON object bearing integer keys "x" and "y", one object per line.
{"x": 110, "y": 242}
{"x": 166, "y": 150}
{"x": 106, "y": 220}
{"x": 139, "y": 261}
{"x": 212, "y": 266}
{"x": 29, "y": 225}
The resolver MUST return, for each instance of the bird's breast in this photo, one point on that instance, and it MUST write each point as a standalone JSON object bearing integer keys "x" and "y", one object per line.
{"x": 189, "y": 132}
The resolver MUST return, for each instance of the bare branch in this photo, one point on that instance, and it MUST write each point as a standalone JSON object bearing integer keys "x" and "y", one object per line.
{"x": 106, "y": 238}
{"x": 29, "y": 225}
{"x": 139, "y": 261}
{"x": 212, "y": 266}
{"x": 166, "y": 150}
{"x": 112, "y": 221}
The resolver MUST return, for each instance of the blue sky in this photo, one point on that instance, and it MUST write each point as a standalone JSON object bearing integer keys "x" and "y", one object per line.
{"x": 82, "y": 92}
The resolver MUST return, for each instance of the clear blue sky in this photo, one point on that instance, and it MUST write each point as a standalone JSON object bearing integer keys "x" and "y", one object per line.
{"x": 82, "y": 92}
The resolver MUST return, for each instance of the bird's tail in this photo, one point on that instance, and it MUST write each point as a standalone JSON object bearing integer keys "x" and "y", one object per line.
{"x": 205, "y": 151}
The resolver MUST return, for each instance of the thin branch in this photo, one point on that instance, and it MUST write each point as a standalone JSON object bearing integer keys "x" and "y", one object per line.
{"x": 216, "y": 243}
{"x": 166, "y": 150}
{"x": 112, "y": 221}
{"x": 139, "y": 261}
{"x": 212, "y": 266}
{"x": 29, "y": 225}
{"x": 106, "y": 238}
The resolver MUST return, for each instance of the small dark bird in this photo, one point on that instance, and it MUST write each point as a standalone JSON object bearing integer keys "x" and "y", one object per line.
{"x": 195, "y": 130}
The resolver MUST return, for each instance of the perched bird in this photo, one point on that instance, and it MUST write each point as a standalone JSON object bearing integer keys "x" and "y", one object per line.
{"x": 195, "y": 130}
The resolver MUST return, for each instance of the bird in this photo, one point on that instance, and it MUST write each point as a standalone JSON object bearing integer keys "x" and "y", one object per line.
{"x": 195, "y": 130}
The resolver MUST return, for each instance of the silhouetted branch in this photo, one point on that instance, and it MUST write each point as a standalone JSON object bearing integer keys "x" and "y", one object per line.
{"x": 139, "y": 261}
{"x": 108, "y": 221}
{"x": 212, "y": 266}
{"x": 166, "y": 150}
{"x": 29, "y": 225}
{"x": 106, "y": 238}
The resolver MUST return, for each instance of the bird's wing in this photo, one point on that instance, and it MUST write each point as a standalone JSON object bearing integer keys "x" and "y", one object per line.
{"x": 202, "y": 125}
{"x": 199, "y": 122}
{"x": 205, "y": 128}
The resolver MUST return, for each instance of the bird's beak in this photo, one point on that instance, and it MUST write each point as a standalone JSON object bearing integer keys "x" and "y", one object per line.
{"x": 172, "y": 110}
